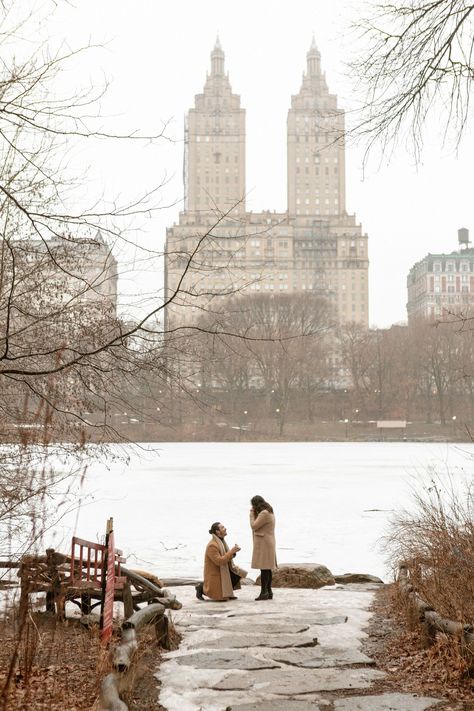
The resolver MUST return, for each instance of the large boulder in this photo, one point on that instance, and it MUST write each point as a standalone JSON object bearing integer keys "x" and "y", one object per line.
{"x": 357, "y": 578}
{"x": 302, "y": 575}
{"x": 246, "y": 581}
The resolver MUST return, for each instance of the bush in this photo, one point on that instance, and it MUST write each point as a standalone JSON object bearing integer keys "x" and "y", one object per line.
{"x": 436, "y": 542}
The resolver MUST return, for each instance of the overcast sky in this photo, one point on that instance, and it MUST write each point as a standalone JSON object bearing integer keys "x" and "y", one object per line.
{"x": 156, "y": 57}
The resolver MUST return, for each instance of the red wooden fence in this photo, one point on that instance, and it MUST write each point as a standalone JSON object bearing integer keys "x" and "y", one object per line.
{"x": 95, "y": 566}
{"x": 87, "y": 563}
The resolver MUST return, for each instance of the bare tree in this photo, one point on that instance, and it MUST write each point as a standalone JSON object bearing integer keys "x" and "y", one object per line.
{"x": 278, "y": 337}
{"x": 64, "y": 352}
{"x": 354, "y": 348}
{"x": 416, "y": 61}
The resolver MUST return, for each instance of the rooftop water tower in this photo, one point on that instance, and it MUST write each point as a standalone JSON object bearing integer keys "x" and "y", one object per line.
{"x": 463, "y": 238}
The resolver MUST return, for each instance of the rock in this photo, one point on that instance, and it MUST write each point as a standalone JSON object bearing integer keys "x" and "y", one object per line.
{"x": 336, "y": 620}
{"x": 90, "y": 620}
{"x": 247, "y": 581}
{"x": 277, "y": 705}
{"x": 301, "y": 575}
{"x": 357, "y": 578}
{"x": 226, "y": 659}
{"x": 242, "y": 641}
{"x": 227, "y": 625}
{"x": 320, "y": 657}
{"x": 385, "y": 702}
{"x": 265, "y": 628}
{"x": 299, "y": 681}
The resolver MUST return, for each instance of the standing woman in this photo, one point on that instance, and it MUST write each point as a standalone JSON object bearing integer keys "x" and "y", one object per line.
{"x": 262, "y": 521}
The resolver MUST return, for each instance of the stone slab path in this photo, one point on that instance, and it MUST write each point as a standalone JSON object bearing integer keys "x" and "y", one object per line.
{"x": 300, "y": 651}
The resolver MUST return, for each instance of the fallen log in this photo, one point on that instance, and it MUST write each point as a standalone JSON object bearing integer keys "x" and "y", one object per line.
{"x": 109, "y": 694}
{"x": 177, "y": 582}
{"x": 166, "y": 598}
{"x": 149, "y": 576}
{"x": 431, "y": 620}
{"x": 144, "y": 616}
{"x": 123, "y": 655}
{"x": 449, "y": 626}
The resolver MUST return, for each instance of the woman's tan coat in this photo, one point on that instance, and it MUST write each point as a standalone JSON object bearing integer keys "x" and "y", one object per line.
{"x": 264, "y": 547}
{"x": 217, "y": 581}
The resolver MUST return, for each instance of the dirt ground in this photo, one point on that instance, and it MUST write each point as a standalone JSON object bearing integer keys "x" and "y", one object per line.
{"x": 60, "y": 666}
{"x": 396, "y": 643}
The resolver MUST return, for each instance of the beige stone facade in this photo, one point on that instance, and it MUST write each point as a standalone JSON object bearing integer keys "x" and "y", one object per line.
{"x": 314, "y": 247}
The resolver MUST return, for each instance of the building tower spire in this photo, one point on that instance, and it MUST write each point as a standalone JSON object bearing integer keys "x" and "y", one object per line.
{"x": 316, "y": 157}
{"x": 313, "y": 60}
{"x": 217, "y": 59}
{"x": 214, "y": 146}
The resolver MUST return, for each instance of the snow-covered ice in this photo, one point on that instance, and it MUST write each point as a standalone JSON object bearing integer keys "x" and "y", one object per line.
{"x": 332, "y": 500}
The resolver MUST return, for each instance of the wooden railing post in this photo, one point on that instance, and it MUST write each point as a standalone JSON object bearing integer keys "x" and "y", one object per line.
{"x": 109, "y": 589}
{"x": 52, "y": 594}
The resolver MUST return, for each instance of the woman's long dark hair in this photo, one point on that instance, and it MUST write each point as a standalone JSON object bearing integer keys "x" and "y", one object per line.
{"x": 259, "y": 504}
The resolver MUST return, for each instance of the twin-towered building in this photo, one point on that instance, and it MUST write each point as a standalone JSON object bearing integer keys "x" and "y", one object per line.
{"x": 314, "y": 247}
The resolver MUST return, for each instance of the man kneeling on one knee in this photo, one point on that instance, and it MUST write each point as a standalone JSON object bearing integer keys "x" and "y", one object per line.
{"x": 221, "y": 575}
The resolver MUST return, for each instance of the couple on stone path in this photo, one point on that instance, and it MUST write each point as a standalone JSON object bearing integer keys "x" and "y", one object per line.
{"x": 221, "y": 575}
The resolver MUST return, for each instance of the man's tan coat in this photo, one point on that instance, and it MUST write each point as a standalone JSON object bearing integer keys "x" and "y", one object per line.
{"x": 217, "y": 580}
{"x": 264, "y": 546}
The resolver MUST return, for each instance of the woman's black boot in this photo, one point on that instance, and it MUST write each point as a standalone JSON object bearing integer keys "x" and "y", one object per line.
{"x": 264, "y": 594}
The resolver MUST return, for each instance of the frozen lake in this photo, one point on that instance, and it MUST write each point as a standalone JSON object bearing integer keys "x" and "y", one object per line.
{"x": 332, "y": 500}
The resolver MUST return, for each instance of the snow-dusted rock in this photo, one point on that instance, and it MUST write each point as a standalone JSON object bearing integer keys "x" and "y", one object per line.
{"x": 299, "y": 681}
{"x": 357, "y": 578}
{"x": 302, "y": 575}
{"x": 225, "y": 659}
{"x": 277, "y": 705}
{"x": 385, "y": 702}
{"x": 240, "y": 641}
{"x": 320, "y": 656}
